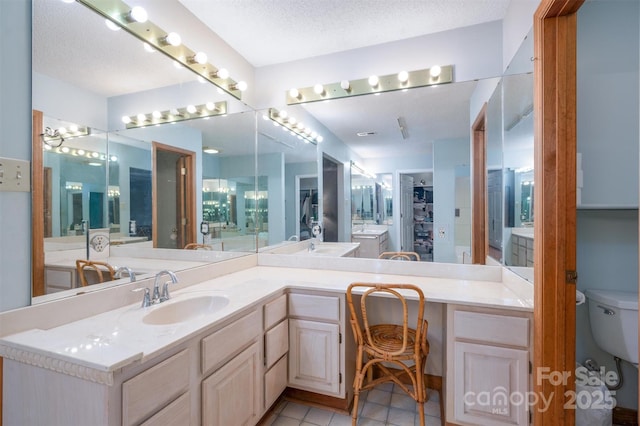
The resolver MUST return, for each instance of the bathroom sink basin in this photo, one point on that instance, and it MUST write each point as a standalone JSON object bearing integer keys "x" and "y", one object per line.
{"x": 171, "y": 312}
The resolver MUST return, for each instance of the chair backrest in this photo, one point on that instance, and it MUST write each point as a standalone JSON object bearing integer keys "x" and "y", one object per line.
{"x": 196, "y": 246}
{"x": 360, "y": 318}
{"x": 99, "y": 267}
{"x": 400, "y": 255}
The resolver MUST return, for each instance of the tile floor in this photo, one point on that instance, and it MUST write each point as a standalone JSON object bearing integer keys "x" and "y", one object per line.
{"x": 384, "y": 405}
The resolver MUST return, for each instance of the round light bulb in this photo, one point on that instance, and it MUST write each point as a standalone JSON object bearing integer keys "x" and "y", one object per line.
{"x": 95, "y": 155}
{"x": 283, "y": 114}
{"x": 80, "y": 152}
{"x": 138, "y": 14}
{"x": 62, "y": 131}
{"x": 191, "y": 109}
{"x": 200, "y": 58}
{"x": 141, "y": 117}
{"x": 294, "y": 93}
{"x": 73, "y": 128}
{"x": 373, "y": 80}
{"x": 318, "y": 89}
{"x": 292, "y": 120}
{"x": 222, "y": 73}
{"x": 345, "y": 85}
{"x": 319, "y": 138}
{"x": 156, "y": 114}
{"x": 173, "y": 39}
{"x": 403, "y": 76}
{"x": 210, "y": 106}
{"x": 64, "y": 149}
{"x": 113, "y": 158}
{"x": 242, "y": 86}
{"x": 435, "y": 71}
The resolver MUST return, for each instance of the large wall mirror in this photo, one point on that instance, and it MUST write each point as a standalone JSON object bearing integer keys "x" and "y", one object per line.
{"x": 100, "y": 176}
{"x": 510, "y": 183}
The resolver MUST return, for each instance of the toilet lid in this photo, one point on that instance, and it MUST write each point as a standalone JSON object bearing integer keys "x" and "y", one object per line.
{"x": 616, "y": 298}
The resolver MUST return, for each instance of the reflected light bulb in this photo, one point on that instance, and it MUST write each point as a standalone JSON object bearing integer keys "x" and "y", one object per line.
{"x": 345, "y": 85}
{"x": 191, "y": 109}
{"x": 294, "y": 93}
{"x": 210, "y": 106}
{"x": 111, "y": 25}
{"x": 318, "y": 89}
{"x": 172, "y": 38}
{"x": 141, "y": 117}
{"x": 156, "y": 114}
{"x": 403, "y": 76}
{"x": 242, "y": 86}
{"x": 148, "y": 47}
{"x": 373, "y": 80}
{"x": 435, "y": 71}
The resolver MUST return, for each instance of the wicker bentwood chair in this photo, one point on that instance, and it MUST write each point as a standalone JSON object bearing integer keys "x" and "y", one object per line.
{"x": 383, "y": 345}
{"x": 100, "y": 268}
{"x": 196, "y": 246}
{"x": 399, "y": 255}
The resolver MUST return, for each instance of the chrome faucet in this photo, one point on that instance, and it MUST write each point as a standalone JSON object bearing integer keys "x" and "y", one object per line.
{"x": 157, "y": 297}
{"x": 129, "y": 271}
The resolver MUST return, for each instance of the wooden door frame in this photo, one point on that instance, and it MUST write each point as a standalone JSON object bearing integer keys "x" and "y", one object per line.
{"x": 479, "y": 239}
{"x": 555, "y": 210}
{"x": 37, "y": 205}
{"x": 190, "y": 236}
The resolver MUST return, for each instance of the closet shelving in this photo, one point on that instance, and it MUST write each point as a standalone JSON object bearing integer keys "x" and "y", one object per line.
{"x": 423, "y": 222}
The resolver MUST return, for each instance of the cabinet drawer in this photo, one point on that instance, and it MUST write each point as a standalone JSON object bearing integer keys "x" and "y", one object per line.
{"x": 178, "y": 413}
{"x": 60, "y": 278}
{"x": 314, "y": 307}
{"x": 275, "y": 381}
{"x": 497, "y": 329}
{"x": 143, "y": 394}
{"x": 276, "y": 342}
{"x": 230, "y": 340}
{"x": 275, "y": 311}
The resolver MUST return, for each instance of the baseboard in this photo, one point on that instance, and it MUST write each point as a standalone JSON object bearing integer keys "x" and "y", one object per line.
{"x": 339, "y": 405}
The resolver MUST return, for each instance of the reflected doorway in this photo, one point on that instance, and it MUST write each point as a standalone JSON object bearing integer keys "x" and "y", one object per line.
{"x": 306, "y": 205}
{"x": 174, "y": 219}
{"x": 331, "y": 181}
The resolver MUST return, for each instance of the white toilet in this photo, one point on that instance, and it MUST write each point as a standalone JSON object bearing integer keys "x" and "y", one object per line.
{"x": 614, "y": 322}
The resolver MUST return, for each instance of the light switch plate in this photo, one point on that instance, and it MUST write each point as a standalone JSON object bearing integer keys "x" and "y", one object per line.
{"x": 15, "y": 175}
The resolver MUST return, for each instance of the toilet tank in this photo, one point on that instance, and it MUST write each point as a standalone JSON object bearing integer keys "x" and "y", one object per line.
{"x": 613, "y": 316}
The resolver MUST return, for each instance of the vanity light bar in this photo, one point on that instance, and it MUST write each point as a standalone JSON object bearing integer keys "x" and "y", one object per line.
{"x": 175, "y": 115}
{"x": 372, "y": 85}
{"x": 292, "y": 125}
{"x": 166, "y": 42}
{"x": 61, "y": 134}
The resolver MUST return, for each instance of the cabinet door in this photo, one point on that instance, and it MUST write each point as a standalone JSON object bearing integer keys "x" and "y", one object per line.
{"x": 232, "y": 395}
{"x": 178, "y": 413}
{"x": 314, "y": 362}
{"x": 491, "y": 384}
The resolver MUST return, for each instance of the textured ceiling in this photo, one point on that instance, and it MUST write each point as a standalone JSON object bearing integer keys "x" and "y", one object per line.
{"x": 269, "y": 32}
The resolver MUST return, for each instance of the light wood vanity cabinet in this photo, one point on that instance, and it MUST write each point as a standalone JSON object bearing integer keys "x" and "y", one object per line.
{"x": 140, "y": 398}
{"x": 371, "y": 245}
{"x": 316, "y": 349}
{"x": 488, "y": 361}
{"x": 276, "y": 348}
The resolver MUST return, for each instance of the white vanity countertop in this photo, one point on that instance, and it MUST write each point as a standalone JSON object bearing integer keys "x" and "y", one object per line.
{"x": 523, "y": 232}
{"x": 95, "y": 347}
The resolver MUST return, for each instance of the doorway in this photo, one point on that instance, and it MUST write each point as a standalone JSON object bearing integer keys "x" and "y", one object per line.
{"x": 174, "y": 216}
{"x": 416, "y": 213}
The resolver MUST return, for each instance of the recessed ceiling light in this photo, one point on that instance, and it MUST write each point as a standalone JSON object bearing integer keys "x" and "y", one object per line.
{"x": 208, "y": 150}
{"x": 365, "y": 133}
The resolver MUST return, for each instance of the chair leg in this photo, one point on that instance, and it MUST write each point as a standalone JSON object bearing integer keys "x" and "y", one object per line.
{"x": 357, "y": 385}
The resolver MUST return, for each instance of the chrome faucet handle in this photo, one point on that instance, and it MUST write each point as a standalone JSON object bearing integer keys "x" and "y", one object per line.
{"x": 165, "y": 292}
{"x": 156, "y": 293}
{"x": 146, "y": 298}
